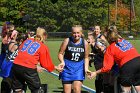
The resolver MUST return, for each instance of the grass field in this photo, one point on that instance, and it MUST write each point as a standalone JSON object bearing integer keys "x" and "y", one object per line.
{"x": 54, "y": 84}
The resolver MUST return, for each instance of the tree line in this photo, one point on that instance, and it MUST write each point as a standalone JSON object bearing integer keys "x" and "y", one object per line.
{"x": 60, "y": 15}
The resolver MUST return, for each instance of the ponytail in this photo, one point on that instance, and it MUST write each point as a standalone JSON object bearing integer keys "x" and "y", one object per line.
{"x": 40, "y": 34}
{"x": 112, "y": 36}
{"x": 38, "y": 37}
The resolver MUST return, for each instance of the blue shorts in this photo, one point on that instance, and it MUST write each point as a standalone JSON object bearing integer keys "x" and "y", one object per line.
{"x": 73, "y": 71}
{"x": 6, "y": 68}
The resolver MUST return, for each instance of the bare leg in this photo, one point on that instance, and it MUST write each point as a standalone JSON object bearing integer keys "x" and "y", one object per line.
{"x": 77, "y": 86}
{"x": 137, "y": 88}
{"x": 18, "y": 91}
{"x": 126, "y": 89}
{"x": 67, "y": 88}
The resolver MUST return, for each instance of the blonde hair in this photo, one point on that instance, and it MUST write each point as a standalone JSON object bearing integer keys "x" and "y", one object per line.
{"x": 113, "y": 28}
{"x": 91, "y": 35}
{"x": 112, "y": 36}
{"x": 98, "y": 27}
{"x": 103, "y": 42}
{"x": 40, "y": 33}
{"x": 77, "y": 26}
{"x": 10, "y": 27}
{"x": 90, "y": 32}
{"x": 80, "y": 28}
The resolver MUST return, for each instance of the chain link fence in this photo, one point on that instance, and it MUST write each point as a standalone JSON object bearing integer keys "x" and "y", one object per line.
{"x": 61, "y": 35}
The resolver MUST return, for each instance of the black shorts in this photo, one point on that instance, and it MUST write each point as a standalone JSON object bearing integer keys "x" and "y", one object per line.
{"x": 70, "y": 82}
{"x": 6, "y": 85}
{"x": 130, "y": 73}
{"x": 23, "y": 74}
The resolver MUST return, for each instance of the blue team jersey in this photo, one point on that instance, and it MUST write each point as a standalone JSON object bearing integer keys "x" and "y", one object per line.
{"x": 74, "y": 61}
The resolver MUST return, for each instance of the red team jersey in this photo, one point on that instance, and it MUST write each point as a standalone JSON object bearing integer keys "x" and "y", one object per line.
{"x": 31, "y": 52}
{"x": 120, "y": 53}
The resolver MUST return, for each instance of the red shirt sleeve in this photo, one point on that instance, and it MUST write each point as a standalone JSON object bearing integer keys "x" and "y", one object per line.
{"x": 45, "y": 59}
{"x": 108, "y": 60}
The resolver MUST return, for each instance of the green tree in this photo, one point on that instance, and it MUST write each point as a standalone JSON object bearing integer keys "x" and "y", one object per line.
{"x": 60, "y": 15}
{"x": 12, "y": 10}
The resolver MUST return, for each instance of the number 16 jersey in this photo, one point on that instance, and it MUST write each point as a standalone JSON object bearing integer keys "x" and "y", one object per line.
{"x": 75, "y": 52}
{"x": 74, "y": 61}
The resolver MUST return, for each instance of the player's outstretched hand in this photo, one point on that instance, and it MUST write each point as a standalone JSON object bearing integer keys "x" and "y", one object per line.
{"x": 88, "y": 72}
{"x": 61, "y": 65}
{"x": 58, "y": 68}
{"x": 91, "y": 75}
{"x": 39, "y": 68}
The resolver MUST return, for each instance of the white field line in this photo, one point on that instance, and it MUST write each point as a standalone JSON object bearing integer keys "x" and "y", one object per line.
{"x": 83, "y": 86}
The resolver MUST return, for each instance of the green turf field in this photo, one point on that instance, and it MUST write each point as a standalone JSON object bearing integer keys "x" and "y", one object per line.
{"x": 54, "y": 84}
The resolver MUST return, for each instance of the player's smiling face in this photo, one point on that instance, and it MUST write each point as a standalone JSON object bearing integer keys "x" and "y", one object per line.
{"x": 90, "y": 39}
{"x": 97, "y": 30}
{"x": 76, "y": 33}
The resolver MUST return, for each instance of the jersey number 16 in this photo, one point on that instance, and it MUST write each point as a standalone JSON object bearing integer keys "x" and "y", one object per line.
{"x": 75, "y": 56}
